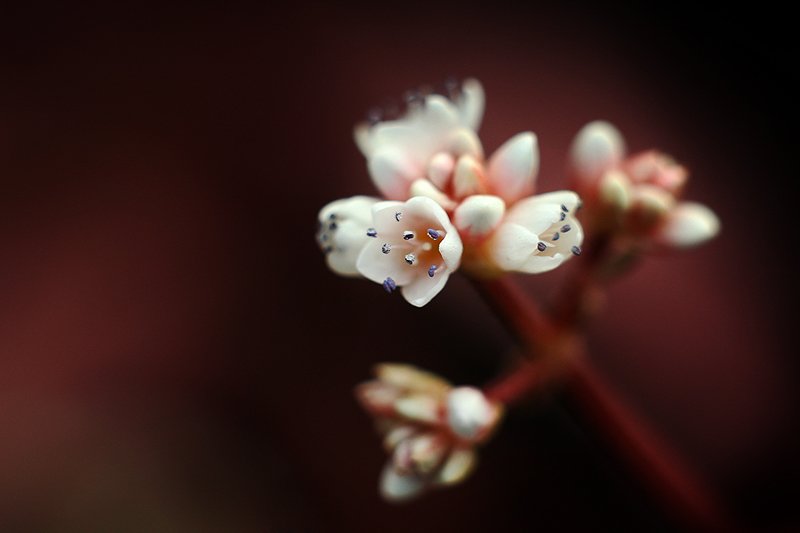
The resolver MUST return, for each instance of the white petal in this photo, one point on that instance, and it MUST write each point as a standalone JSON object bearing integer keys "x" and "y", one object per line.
{"x": 393, "y": 170}
{"x": 410, "y": 377}
{"x": 396, "y": 487}
{"x": 512, "y": 245}
{"x": 478, "y": 215}
{"x": 352, "y": 219}
{"x": 362, "y": 136}
{"x": 689, "y": 224}
{"x": 598, "y": 147}
{"x": 457, "y": 466}
{"x": 513, "y": 167}
{"x": 468, "y": 412}
{"x": 420, "y": 407}
{"x": 422, "y": 289}
{"x": 471, "y": 103}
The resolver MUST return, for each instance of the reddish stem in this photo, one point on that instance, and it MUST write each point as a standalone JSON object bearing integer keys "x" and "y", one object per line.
{"x": 670, "y": 479}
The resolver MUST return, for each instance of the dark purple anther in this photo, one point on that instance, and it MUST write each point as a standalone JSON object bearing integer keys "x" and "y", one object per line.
{"x": 398, "y": 216}
{"x": 389, "y": 285}
{"x": 576, "y": 250}
{"x": 386, "y": 248}
{"x": 433, "y": 234}
{"x": 332, "y": 226}
{"x": 564, "y": 208}
{"x": 408, "y": 235}
{"x": 556, "y": 236}
{"x": 432, "y": 270}
{"x": 565, "y": 228}
{"x": 563, "y": 216}
{"x": 372, "y": 233}
{"x": 541, "y": 246}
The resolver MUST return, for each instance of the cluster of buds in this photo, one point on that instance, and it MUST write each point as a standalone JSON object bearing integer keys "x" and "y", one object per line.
{"x": 430, "y": 428}
{"x": 636, "y": 196}
{"x": 445, "y": 206}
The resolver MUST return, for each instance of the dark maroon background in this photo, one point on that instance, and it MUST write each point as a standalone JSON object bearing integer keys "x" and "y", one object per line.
{"x": 174, "y": 355}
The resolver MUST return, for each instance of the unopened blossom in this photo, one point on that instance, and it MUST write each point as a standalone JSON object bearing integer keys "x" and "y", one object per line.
{"x": 430, "y": 428}
{"x": 638, "y": 195}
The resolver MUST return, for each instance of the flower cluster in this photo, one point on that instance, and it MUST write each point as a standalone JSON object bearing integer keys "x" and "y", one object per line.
{"x": 636, "y": 196}
{"x": 429, "y": 428}
{"x": 446, "y": 206}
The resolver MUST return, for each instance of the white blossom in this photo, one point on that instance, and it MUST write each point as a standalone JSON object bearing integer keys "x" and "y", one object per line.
{"x": 413, "y": 246}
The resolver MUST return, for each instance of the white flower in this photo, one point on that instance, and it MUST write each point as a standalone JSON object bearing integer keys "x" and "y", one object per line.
{"x": 430, "y": 428}
{"x": 538, "y": 234}
{"x": 413, "y": 246}
{"x": 342, "y": 232}
{"x": 434, "y": 151}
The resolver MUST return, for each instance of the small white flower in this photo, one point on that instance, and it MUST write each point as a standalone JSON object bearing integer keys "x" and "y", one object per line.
{"x": 538, "y": 234}
{"x": 413, "y": 246}
{"x": 342, "y": 232}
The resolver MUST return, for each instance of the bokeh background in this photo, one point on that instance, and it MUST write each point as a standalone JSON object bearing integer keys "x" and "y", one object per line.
{"x": 174, "y": 355}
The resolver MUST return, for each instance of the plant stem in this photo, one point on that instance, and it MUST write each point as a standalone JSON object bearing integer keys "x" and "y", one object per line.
{"x": 554, "y": 351}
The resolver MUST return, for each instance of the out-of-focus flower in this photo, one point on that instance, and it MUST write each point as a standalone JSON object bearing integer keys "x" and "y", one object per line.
{"x": 413, "y": 246}
{"x": 637, "y": 196}
{"x": 434, "y": 151}
{"x": 430, "y": 428}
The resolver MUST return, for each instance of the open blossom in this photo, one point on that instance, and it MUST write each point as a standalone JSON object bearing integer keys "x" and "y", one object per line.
{"x": 447, "y": 207}
{"x": 636, "y": 195}
{"x": 430, "y": 428}
{"x": 413, "y": 246}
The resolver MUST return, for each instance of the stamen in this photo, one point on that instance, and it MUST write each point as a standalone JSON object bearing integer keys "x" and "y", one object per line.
{"x": 323, "y": 237}
{"x": 410, "y": 259}
{"x": 372, "y": 233}
{"x": 433, "y": 234}
{"x": 389, "y": 285}
{"x": 564, "y": 208}
{"x": 541, "y": 246}
{"x": 432, "y": 270}
{"x": 328, "y": 249}
{"x": 333, "y": 216}
{"x": 576, "y": 250}
{"x": 386, "y": 248}
{"x": 556, "y": 236}
{"x": 563, "y": 216}
{"x": 398, "y": 216}
{"x": 408, "y": 235}
{"x": 565, "y": 228}
{"x": 332, "y": 226}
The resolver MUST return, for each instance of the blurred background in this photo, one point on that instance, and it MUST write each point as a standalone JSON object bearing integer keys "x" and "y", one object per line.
{"x": 175, "y": 356}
